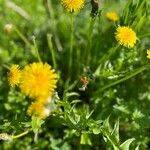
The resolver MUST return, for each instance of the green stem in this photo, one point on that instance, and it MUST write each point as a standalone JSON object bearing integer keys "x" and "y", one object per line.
{"x": 126, "y": 17}
{"x": 126, "y": 11}
{"x": 52, "y": 51}
{"x": 36, "y": 50}
{"x": 144, "y": 35}
{"x": 23, "y": 37}
{"x": 71, "y": 44}
{"x": 36, "y": 137}
{"x": 78, "y": 61}
{"x": 53, "y": 24}
{"x": 130, "y": 75}
{"x": 141, "y": 5}
{"x": 22, "y": 134}
{"x": 89, "y": 44}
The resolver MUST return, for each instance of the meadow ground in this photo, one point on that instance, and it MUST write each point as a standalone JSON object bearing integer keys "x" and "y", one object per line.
{"x": 74, "y": 75}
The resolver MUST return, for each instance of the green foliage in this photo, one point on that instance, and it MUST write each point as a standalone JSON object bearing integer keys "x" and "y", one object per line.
{"x": 102, "y": 98}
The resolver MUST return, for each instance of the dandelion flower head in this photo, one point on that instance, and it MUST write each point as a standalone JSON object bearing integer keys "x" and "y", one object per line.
{"x": 112, "y": 16}
{"x": 44, "y": 99}
{"x": 38, "y": 80}
{"x": 39, "y": 110}
{"x": 125, "y": 36}
{"x": 14, "y": 75}
{"x": 148, "y": 53}
{"x": 72, "y": 5}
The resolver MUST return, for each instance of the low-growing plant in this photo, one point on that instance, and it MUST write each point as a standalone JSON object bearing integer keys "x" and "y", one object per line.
{"x": 74, "y": 75}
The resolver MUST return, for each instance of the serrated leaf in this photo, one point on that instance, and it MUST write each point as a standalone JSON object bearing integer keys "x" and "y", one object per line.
{"x": 36, "y": 124}
{"x": 126, "y": 144}
{"x": 85, "y": 139}
{"x": 89, "y": 115}
{"x": 72, "y": 107}
{"x": 108, "y": 133}
{"x": 76, "y": 101}
{"x": 71, "y": 94}
{"x": 106, "y": 124}
{"x": 105, "y": 139}
{"x": 137, "y": 148}
{"x": 115, "y": 131}
{"x": 96, "y": 130}
{"x": 71, "y": 119}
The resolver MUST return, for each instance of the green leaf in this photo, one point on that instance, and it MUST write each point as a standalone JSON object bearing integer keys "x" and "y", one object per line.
{"x": 112, "y": 136}
{"x": 96, "y": 130}
{"x": 88, "y": 115}
{"x": 137, "y": 148}
{"x": 106, "y": 124}
{"x": 85, "y": 139}
{"x": 126, "y": 11}
{"x": 36, "y": 124}
{"x": 115, "y": 131}
{"x": 128, "y": 76}
{"x": 72, "y": 120}
{"x": 71, "y": 94}
{"x": 141, "y": 22}
{"x": 76, "y": 101}
{"x": 126, "y": 144}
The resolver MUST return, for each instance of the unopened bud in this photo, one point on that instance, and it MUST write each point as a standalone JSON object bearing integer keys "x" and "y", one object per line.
{"x": 5, "y": 136}
{"x": 8, "y": 28}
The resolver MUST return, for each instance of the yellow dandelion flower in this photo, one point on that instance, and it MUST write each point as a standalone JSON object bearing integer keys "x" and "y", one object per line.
{"x": 38, "y": 80}
{"x": 44, "y": 100}
{"x": 38, "y": 109}
{"x": 148, "y": 53}
{"x": 73, "y": 5}
{"x": 14, "y": 75}
{"x": 112, "y": 16}
{"x": 125, "y": 36}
